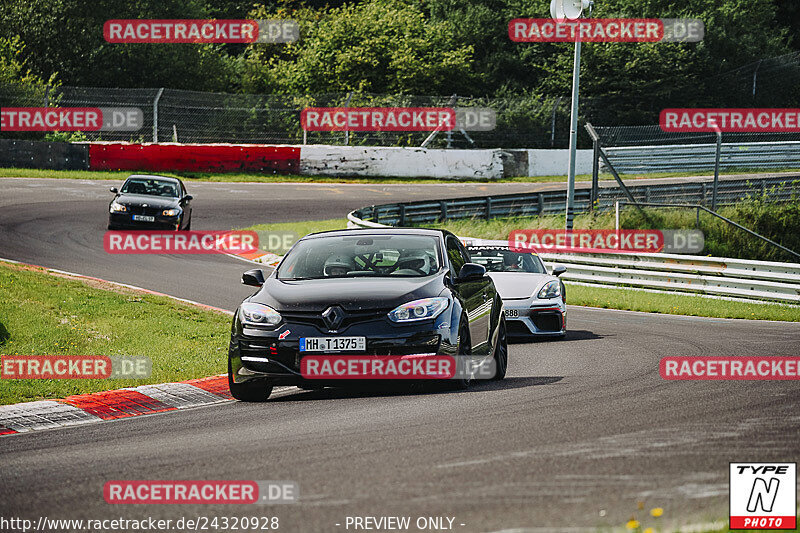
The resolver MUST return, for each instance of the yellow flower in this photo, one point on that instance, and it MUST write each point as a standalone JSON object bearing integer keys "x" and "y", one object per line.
{"x": 649, "y": 530}
{"x": 632, "y": 524}
{"x": 656, "y": 511}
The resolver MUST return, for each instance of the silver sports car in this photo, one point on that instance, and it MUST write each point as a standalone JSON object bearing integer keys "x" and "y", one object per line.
{"x": 534, "y": 301}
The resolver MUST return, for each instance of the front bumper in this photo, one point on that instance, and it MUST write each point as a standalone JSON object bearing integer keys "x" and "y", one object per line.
{"x": 259, "y": 354}
{"x": 125, "y": 220}
{"x": 535, "y": 318}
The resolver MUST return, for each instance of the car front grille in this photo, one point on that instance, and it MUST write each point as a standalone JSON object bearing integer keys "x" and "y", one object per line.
{"x": 351, "y": 318}
{"x": 139, "y": 210}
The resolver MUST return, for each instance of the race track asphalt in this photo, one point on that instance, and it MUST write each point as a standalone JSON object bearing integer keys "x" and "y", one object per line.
{"x": 580, "y": 432}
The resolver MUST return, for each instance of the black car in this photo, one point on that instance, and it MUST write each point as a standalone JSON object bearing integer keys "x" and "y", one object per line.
{"x": 150, "y": 202}
{"x": 388, "y": 291}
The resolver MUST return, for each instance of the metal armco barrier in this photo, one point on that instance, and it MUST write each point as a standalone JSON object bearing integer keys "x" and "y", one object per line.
{"x": 779, "y": 188}
{"x": 713, "y": 276}
{"x": 698, "y": 157}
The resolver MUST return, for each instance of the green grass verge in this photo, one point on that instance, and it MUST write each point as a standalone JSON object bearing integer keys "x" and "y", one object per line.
{"x": 302, "y": 228}
{"x": 42, "y": 314}
{"x": 294, "y": 178}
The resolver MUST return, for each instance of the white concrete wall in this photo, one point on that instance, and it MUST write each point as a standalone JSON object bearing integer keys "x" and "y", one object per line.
{"x": 376, "y": 161}
{"x": 400, "y": 162}
{"x": 555, "y": 162}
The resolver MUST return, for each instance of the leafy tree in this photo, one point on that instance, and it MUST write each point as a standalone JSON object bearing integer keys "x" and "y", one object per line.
{"x": 375, "y": 46}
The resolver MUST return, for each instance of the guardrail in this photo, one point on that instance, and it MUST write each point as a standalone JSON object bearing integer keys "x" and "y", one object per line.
{"x": 696, "y": 157}
{"x": 779, "y": 188}
{"x": 710, "y": 276}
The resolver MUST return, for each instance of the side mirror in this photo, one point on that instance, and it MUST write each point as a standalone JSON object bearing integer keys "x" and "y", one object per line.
{"x": 558, "y": 270}
{"x": 188, "y": 197}
{"x": 114, "y": 190}
{"x": 254, "y": 278}
{"x": 471, "y": 272}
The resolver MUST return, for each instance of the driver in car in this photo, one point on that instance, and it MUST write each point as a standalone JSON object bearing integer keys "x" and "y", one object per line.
{"x": 338, "y": 265}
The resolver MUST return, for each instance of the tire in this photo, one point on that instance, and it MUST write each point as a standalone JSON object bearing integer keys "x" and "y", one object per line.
{"x": 251, "y": 391}
{"x": 464, "y": 349}
{"x": 501, "y": 351}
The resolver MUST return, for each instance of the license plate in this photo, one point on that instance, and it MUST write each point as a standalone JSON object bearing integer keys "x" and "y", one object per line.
{"x": 511, "y": 313}
{"x": 333, "y": 344}
{"x": 144, "y": 218}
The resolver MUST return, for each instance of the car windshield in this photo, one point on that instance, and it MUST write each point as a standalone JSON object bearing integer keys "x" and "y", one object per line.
{"x": 364, "y": 255}
{"x": 151, "y": 187}
{"x": 502, "y": 260}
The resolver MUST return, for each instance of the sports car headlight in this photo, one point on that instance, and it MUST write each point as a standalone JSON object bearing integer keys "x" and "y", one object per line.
{"x": 171, "y": 212}
{"x": 551, "y": 290}
{"x": 117, "y": 208}
{"x": 258, "y": 315}
{"x": 419, "y": 310}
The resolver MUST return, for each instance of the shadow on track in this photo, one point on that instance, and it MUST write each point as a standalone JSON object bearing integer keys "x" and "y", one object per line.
{"x": 572, "y": 335}
{"x": 413, "y": 389}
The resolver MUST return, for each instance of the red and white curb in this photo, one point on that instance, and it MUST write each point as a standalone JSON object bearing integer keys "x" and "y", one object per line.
{"x": 112, "y": 405}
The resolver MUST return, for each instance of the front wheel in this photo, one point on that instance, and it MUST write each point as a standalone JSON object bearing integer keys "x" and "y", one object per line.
{"x": 251, "y": 391}
{"x": 463, "y": 352}
{"x": 501, "y": 351}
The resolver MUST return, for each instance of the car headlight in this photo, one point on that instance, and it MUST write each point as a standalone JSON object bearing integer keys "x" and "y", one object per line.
{"x": 258, "y": 315}
{"x": 171, "y": 212}
{"x": 552, "y": 289}
{"x": 419, "y": 309}
{"x": 117, "y": 208}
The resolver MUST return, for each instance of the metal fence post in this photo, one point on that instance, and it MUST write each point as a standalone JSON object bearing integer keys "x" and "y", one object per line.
{"x": 595, "y": 172}
{"x": 488, "y": 207}
{"x": 716, "y": 171}
{"x": 155, "y": 114}
{"x": 347, "y": 132}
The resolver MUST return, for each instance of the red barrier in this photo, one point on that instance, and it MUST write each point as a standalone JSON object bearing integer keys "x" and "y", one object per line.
{"x": 194, "y": 157}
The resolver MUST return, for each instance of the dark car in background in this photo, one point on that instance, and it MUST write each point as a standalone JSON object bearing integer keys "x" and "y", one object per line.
{"x": 379, "y": 292}
{"x": 150, "y": 202}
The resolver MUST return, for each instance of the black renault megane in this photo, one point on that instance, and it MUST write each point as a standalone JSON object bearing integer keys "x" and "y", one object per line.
{"x": 150, "y": 202}
{"x": 381, "y": 292}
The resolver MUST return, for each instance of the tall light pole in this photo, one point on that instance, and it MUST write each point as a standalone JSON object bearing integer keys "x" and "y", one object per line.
{"x": 572, "y": 10}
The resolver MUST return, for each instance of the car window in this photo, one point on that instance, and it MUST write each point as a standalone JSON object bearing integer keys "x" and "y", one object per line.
{"x": 455, "y": 255}
{"x": 395, "y": 255}
{"x": 504, "y": 260}
{"x": 151, "y": 187}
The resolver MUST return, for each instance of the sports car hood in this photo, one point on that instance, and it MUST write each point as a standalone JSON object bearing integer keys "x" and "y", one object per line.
{"x": 152, "y": 201}
{"x": 519, "y": 284}
{"x": 351, "y": 293}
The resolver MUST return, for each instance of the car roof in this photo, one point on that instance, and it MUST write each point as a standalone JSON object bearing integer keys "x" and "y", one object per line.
{"x": 378, "y": 231}
{"x": 152, "y": 176}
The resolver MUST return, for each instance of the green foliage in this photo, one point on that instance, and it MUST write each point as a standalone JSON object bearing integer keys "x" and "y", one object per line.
{"x": 381, "y": 46}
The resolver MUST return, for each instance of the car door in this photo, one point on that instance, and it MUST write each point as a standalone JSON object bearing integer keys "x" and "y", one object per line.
{"x": 471, "y": 295}
{"x": 186, "y": 203}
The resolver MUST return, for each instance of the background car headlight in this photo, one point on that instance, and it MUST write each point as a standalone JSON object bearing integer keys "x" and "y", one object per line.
{"x": 117, "y": 208}
{"x": 551, "y": 290}
{"x": 171, "y": 212}
{"x": 258, "y": 315}
{"x": 419, "y": 310}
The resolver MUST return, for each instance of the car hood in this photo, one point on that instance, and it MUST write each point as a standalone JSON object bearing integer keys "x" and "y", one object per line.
{"x": 352, "y": 294}
{"x": 151, "y": 201}
{"x": 519, "y": 284}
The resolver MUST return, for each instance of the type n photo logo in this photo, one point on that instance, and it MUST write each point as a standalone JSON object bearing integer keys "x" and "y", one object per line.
{"x": 763, "y": 495}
